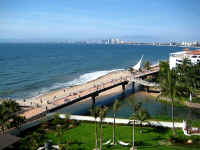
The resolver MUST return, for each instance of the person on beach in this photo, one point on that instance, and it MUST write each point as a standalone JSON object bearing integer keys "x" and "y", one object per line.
{"x": 46, "y": 109}
{"x": 24, "y": 101}
{"x": 41, "y": 101}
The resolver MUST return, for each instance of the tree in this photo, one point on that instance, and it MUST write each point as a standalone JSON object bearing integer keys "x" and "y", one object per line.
{"x": 67, "y": 120}
{"x": 18, "y": 121}
{"x": 57, "y": 120}
{"x": 102, "y": 114}
{"x": 62, "y": 143}
{"x": 141, "y": 115}
{"x": 8, "y": 112}
{"x": 134, "y": 108}
{"x": 184, "y": 66}
{"x": 187, "y": 78}
{"x": 95, "y": 113}
{"x": 168, "y": 85}
{"x": 4, "y": 117}
{"x": 147, "y": 65}
{"x": 115, "y": 109}
{"x": 180, "y": 81}
{"x": 32, "y": 142}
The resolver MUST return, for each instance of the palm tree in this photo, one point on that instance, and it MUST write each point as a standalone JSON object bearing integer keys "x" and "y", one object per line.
{"x": 62, "y": 143}
{"x": 18, "y": 121}
{"x": 141, "y": 115}
{"x": 133, "y": 132}
{"x": 102, "y": 114}
{"x": 34, "y": 140}
{"x": 3, "y": 118}
{"x": 8, "y": 112}
{"x": 115, "y": 109}
{"x": 185, "y": 65}
{"x": 57, "y": 120}
{"x": 147, "y": 65}
{"x": 67, "y": 120}
{"x": 168, "y": 85}
{"x": 134, "y": 107}
{"x": 95, "y": 113}
{"x": 186, "y": 76}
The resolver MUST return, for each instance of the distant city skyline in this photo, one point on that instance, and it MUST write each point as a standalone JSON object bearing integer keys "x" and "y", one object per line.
{"x": 138, "y": 20}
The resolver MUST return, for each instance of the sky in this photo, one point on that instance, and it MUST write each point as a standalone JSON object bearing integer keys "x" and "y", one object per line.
{"x": 135, "y": 20}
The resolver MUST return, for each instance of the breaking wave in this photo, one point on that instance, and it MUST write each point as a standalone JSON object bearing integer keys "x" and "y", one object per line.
{"x": 84, "y": 78}
{"x": 89, "y": 77}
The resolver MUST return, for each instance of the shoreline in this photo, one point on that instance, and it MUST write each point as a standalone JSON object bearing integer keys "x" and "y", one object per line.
{"x": 40, "y": 104}
{"x": 54, "y": 100}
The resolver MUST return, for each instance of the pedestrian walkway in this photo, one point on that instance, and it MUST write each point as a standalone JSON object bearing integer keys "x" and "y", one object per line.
{"x": 124, "y": 121}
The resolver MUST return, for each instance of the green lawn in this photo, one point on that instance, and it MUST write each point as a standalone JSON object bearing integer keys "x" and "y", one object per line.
{"x": 82, "y": 137}
{"x": 150, "y": 139}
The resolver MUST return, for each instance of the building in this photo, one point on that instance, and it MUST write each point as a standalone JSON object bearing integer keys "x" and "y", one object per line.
{"x": 178, "y": 57}
{"x": 113, "y": 41}
{"x": 195, "y": 43}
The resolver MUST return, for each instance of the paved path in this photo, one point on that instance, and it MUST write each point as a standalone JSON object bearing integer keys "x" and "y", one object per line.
{"x": 124, "y": 121}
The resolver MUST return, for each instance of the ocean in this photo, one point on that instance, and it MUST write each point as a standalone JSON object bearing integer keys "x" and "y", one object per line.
{"x": 28, "y": 70}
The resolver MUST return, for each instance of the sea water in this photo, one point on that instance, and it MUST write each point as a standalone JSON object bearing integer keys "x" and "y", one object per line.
{"x": 28, "y": 70}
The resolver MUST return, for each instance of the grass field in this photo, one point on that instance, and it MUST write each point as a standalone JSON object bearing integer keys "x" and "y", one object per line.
{"x": 83, "y": 137}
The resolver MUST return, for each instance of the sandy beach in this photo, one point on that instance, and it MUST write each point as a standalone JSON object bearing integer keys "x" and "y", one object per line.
{"x": 42, "y": 103}
{"x": 53, "y": 99}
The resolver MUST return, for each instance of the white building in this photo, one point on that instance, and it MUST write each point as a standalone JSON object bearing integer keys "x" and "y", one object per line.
{"x": 195, "y": 43}
{"x": 177, "y": 58}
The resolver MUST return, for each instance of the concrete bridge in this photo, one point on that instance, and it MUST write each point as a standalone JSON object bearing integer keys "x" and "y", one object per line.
{"x": 131, "y": 78}
{"x": 67, "y": 102}
{"x": 143, "y": 82}
{"x": 139, "y": 76}
{"x": 93, "y": 95}
{"x": 120, "y": 82}
{"x": 147, "y": 72}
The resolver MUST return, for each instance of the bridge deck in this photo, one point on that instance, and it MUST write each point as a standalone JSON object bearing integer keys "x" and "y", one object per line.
{"x": 93, "y": 94}
{"x": 68, "y": 100}
{"x": 143, "y": 82}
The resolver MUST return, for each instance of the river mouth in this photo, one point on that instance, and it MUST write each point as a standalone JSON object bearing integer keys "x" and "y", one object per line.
{"x": 157, "y": 109}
